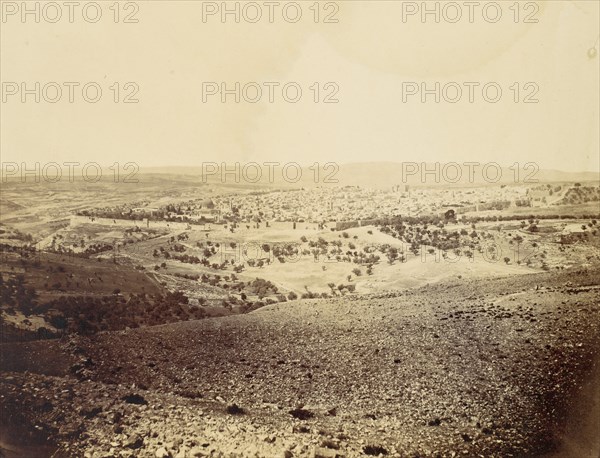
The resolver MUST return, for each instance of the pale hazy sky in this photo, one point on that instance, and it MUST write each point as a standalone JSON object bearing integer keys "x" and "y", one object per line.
{"x": 369, "y": 54}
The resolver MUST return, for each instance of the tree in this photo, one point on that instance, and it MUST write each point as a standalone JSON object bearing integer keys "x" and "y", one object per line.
{"x": 450, "y": 215}
{"x": 58, "y": 321}
{"x": 392, "y": 254}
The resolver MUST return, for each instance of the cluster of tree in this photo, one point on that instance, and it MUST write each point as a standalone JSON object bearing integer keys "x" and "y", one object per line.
{"x": 581, "y": 194}
{"x": 87, "y": 314}
{"x": 434, "y": 220}
{"x": 127, "y": 214}
{"x": 96, "y": 248}
{"x": 341, "y": 289}
{"x": 417, "y": 236}
{"x": 283, "y": 252}
{"x": 16, "y": 234}
{"x": 170, "y": 213}
{"x": 258, "y": 287}
{"x": 208, "y": 251}
{"x": 262, "y": 287}
{"x": 15, "y": 295}
{"x": 186, "y": 258}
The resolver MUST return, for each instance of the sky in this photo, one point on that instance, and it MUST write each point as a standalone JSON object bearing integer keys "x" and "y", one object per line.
{"x": 373, "y": 61}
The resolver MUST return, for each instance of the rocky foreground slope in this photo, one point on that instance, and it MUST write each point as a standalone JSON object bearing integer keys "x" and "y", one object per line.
{"x": 497, "y": 368}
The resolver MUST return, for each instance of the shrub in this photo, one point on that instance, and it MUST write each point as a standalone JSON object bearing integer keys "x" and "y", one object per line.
{"x": 374, "y": 450}
{"x": 58, "y": 321}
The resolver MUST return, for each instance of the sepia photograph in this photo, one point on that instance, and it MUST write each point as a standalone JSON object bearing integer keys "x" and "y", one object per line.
{"x": 299, "y": 229}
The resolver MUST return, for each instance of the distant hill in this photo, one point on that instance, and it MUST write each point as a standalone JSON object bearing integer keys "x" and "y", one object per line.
{"x": 377, "y": 175}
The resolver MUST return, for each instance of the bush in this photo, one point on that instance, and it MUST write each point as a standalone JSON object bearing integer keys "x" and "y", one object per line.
{"x": 58, "y": 321}
{"x": 234, "y": 409}
{"x": 374, "y": 450}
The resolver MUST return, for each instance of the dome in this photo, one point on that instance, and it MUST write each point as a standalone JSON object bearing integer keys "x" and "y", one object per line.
{"x": 207, "y": 203}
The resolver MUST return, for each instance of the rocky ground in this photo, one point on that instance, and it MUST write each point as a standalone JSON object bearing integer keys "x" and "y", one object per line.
{"x": 493, "y": 368}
